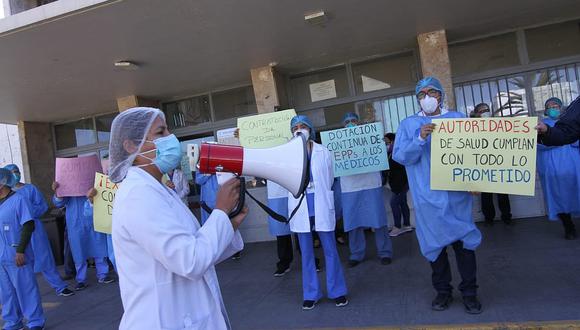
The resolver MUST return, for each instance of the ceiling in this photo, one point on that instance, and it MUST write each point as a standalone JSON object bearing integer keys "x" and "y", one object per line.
{"x": 63, "y": 69}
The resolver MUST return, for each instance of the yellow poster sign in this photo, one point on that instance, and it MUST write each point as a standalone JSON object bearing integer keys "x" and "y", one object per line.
{"x": 267, "y": 130}
{"x": 103, "y": 203}
{"x": 484, "y": 154}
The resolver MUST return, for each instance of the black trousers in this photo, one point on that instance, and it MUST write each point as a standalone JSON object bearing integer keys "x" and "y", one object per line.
{"x": 441, "y": 276}
{"x": 285, "y": 254}
{"x": 489, "y": 210}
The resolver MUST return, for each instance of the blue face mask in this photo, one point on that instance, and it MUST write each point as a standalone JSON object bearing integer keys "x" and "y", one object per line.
{"x": 350, "y": 125}
{"x": 553, "y": 113}
{"x": 168, "y": 156}
{"x": 16, "y": 177}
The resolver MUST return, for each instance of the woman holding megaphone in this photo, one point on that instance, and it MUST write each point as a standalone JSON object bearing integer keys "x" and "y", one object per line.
{"x": 165, "y": 259}
{"x": 317, "y": 214}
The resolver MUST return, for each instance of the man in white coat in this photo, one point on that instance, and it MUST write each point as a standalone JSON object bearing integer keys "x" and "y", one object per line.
{"x": 165, "y": 260}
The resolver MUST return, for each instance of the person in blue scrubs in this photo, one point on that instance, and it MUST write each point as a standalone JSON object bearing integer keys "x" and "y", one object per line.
{"x": 84, "y": 241}
{"x": 18, "y": 288}
{"x": 443, "y": 218}
{"x": 278, "y": 202}
{"x": 209, "y": 188}
{"x": 559, "y": 170}
{"x": 363, "y": 207}
{"x": 43, "y": 257}
{"x": 88, "y": 212}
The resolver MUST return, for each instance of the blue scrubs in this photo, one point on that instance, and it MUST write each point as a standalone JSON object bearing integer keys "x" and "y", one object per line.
{"x": 443, "y": 217}
{"x": 88, "y": 212}
{"x": 559, "y": 170}
{"x": 209, "y": 189}
{"x": 43, "y": 257}
{"x": 18, "y": 287}
{"x": 84, "y": 241}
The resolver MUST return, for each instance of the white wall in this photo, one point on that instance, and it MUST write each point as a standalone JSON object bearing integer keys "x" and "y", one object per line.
{"x": 10, "y": 146}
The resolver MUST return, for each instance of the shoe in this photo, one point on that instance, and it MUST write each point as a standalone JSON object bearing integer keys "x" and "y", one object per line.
{"x": 407, "y": 229}
{"x": 472, "y": 305}
{"x": 341, "y": 301}
{"x": 396, "y": 232}
{"x": 317, "y": 265}
{"x": 106, "y": 280}
{"x": 66, "y": 292}
{"x": 281, "y": 271}
{"x": 308, "y": 304}
{"x": 441, "y": 301}
{"x": 340, "y": 240}
{"x": 80, "y": 286}
{"x": 386, "y": 261}
{"x": 353, "y": 263}
{"x": 237, "y": 256}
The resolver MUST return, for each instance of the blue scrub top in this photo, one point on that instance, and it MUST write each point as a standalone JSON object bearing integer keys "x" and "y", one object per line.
{"x": 14, "y": 212}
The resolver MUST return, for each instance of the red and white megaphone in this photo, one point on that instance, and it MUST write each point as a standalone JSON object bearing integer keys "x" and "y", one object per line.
{"x": 286, "y": 165}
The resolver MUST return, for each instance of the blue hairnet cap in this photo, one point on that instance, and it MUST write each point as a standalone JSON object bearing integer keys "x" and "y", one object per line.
{"x": 553, "y": 99}
{"x": 430, "y": 82}
{"x": 349, "y": 116}
{"x": 12, "y": 167}
{"x": 301, "y": 119}
{"x": 6, "y": 178}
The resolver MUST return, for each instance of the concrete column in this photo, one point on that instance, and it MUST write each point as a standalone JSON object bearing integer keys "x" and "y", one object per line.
{"x": 131, "y": 101}
{"x": 435, "y": 61}
{"x": 38, "y": 158}
{"x": 268, "y": 89}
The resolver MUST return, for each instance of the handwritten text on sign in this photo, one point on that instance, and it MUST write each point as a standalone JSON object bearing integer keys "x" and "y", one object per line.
{"x": 267, "y": 130}
{"x": 357, "y": 150}
{"x": 75, "y": 176}
{"x": 484, "y": 154}
{"x": 103, "y": 203}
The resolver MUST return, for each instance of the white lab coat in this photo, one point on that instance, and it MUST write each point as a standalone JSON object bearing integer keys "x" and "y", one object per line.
{"x": 165, "y": 260}
{"x": 323, "y": 178}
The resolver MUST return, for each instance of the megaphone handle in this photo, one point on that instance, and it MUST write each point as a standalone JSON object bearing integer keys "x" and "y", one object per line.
{"x": 242, "y": 200}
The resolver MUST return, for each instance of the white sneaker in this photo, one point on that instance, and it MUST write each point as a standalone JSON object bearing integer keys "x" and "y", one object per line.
{"x": 407, "y": 229}
{"x": 396, "y": 232}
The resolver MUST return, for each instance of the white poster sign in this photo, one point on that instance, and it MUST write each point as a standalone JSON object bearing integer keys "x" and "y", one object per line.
{"x": 323, "y": 90}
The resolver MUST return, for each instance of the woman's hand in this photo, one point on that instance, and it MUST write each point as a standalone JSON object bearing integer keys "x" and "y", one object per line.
{"x": 228, "y": 195}
{"x": 20, "y": 259}
{"x": 170, "y": 184}
{"x": 54, "y": 186}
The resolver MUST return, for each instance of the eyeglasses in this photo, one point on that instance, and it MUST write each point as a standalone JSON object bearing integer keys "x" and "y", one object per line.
{"x": 431, "y": 92}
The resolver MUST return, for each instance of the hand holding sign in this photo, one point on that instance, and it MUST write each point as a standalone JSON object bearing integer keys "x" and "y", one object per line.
{"x": 75, "y": 176}
{"x": 426, "y": 130}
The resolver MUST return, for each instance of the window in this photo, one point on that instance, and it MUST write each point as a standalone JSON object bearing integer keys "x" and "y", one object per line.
{"x": 384, "y": 73}
{"x": 392, "y": 110}
{"x": 484, "y": 54}
{"x": 104, "y": 126}
{"x": 189, "y": 112}
{"x": 561, "y": 82}
{"x": 75, "y": 134}
{"x": 318, "y": 86}
{"x": 553, "y": 41}
{"x": 234, "y": 103}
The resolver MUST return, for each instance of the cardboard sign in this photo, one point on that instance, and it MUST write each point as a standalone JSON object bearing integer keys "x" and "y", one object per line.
{"x": 357, "y": 150}
{"x": 495, "y": 155}
{"x": 267, "y": 130}
{"x": 103, "y": 203}
{"x": 75, "y": 176}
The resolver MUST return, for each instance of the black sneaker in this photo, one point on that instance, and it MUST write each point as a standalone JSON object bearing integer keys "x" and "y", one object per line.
{"x": 281, "y": 271}
{"x": 308, "y": 304}
{"x": 66, "y": 292}
{"x": 441, "y": 301}
{"x": 353, "y": 263}
{"x": 341, "y": 301}
{"x": 81, "y": 286}
{"x": 472, "y": 305}
{"x": 106, "y": 280}
{"x": 386, "y": 261}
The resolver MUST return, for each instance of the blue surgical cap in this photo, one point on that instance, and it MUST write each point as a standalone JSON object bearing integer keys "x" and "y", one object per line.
{"x": 6, "y": 178}
{"x": 430, "y": 82}
{"x": 553, "y": 99}
{"x": 349, "y": 116}
{"x": 301, "y": 119}
{"x": 12, "y": 167}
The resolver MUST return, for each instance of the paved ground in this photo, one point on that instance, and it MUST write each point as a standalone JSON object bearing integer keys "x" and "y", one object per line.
{"x": 527, "y": 273}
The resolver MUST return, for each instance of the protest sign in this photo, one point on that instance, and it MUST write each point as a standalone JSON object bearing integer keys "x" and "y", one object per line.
{"x": 103, "y": 203}
{"x": 75, "y": 176}
{"x": 485, "y": 155}
{"x": 357, "y": 150}
{"x": 267, "y": 130}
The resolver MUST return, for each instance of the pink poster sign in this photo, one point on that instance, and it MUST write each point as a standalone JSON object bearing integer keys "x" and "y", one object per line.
{"x": 75, "y": 176}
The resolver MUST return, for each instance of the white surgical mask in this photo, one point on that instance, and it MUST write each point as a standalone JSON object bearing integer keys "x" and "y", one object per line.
{"x": 429, "y": 104}
{"x": 304, "y": 132}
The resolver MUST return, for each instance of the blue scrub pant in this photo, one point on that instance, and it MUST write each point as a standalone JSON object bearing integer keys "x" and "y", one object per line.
{"x": 53, "y": 278}
{"x": 357, "y": 243}
{"x": 102, "y": 270}
{"x": 335, "y": 283}
{"x": 20, "y": 297}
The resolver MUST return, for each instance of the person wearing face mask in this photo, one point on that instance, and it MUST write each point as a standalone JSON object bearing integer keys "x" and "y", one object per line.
{"x": 559, "y": 170}
{"x": 316, "y": 213}
{"x": 443, "y": 217}
{"x": 565, "y": 131}
{"x": 487, "y": 208}
{"x": 397, "y": 178}
{"x": 19, "y": 292}
{"x": 43, "y": 257}
{"x": 363, "y": 207}
{"x": 165, "y": 259}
